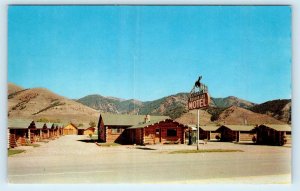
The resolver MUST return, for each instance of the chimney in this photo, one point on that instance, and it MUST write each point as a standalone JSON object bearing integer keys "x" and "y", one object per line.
{"x": 147, "y": 118}
{"x": 245, "y": 121}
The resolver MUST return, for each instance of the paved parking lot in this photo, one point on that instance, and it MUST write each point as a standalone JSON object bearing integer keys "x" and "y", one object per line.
{"x": 69, "y": 160}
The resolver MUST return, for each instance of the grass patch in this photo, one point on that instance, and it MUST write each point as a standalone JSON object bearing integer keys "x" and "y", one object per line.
{"x": 108, "y": 144}
{"x": 33, "y": 145}
{"x": 94, "y": 137}
{"x": 13, "y": 152}
{"x": 54, "y": 104}
{"x": 204, "y": 151}
{"x": 44, "y": 141}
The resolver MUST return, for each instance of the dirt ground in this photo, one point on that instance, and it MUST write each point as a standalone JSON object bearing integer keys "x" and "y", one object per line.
{"x": 72, "y": 159}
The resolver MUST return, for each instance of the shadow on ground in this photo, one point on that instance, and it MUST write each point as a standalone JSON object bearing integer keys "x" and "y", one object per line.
{"x": 87, "y": 141}
{"x": 145, "y": 148}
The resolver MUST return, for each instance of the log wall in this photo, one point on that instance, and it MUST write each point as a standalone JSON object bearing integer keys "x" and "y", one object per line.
{"x": 157, "y": 133}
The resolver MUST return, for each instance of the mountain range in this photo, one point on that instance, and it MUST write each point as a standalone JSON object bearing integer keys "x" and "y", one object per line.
{"x": 40, "y": 103}
{"x": 173, "y": 105}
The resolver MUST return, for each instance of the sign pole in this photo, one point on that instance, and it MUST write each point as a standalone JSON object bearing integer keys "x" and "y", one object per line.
{"x": 198, "y": 99}
{"x": 198, "y": 119}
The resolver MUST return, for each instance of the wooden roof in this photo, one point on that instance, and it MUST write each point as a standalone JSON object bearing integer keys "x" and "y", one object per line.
{"x": 18, "y": 124}
{"x": 277, "y": 127}
{"x": 205, "y": 127}
{"x": 39, "y": 125}
{"x": 239, "y": 127}
{"x": 128, "y": 120}
{"x": 152, "y": 122}
{"x": 209, "y": 127}
{"x": 83, "y": 126}
{"x": 24, "y": 124}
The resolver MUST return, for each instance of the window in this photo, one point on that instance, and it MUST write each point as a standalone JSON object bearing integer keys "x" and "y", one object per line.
{"x": 157, "y": 131}
{"x": 116, "y": 130}
{"x": 171, "y": 132}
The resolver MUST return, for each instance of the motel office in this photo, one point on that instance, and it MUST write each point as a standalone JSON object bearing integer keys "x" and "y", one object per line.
{"x": 140, "y": 129}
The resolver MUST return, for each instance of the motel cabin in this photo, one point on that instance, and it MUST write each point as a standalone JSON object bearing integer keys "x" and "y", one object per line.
{"x": 139, "y": 129}
{"x": 23, "y": 132}
{"x": 36, "y": 131}
{"x": 70, "y": 129}
{"x": 18, "y": 132}
{"x": 81, "y": 129}
{"x": 45, "y": 134}
{"x": 225, "y": 133}
{"x": 86, "y": 129}
{"x": 89, "y": 131}
{"x": 206, "y": 132}
{"x": 236, "y": 133}
{"x": 269, "y": 134}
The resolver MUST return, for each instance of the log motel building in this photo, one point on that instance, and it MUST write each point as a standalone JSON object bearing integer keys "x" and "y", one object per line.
{"x": 268, "y": 134}
{"x": 265, "y": 134}
{"x": 140, "y": 129}
{"x": 24, "y": 132}
{"x": 146, "y": 129}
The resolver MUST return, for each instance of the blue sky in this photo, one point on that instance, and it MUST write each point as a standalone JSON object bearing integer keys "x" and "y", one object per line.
{"x": 147, "y": 52}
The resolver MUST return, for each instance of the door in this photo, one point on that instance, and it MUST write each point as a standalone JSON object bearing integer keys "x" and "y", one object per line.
{"x": 157, "y": 136}
{"x": 132, "y": 136}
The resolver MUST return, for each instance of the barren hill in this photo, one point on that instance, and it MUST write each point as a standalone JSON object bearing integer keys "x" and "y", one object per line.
{"x": 40, "y": 103}
{"x": 236, "y": 115}
{"x": 191, "y": 118}
{"x": 279, "y": 109}
{"x": 231, "y": 101}
{"x": 13, "y": 88}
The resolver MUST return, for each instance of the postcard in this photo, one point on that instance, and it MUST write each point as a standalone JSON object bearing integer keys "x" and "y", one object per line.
{"x": 149, "y": 94}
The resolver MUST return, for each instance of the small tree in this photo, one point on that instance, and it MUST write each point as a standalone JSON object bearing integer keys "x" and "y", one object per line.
{"x": 44, "y": 120}
{"x": 92, "y": 124}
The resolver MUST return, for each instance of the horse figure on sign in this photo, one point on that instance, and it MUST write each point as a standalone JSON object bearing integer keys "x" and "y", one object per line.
{"x": 197, "y": 83}
{"x": 202, "y": 88}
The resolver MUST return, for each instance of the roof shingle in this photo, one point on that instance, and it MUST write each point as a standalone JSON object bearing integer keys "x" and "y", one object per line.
{"x": 128, "y": 120}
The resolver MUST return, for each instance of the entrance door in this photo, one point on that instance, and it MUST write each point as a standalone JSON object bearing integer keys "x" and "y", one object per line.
{"x": 157, "y": 136}
{"x": 132, "y": 136}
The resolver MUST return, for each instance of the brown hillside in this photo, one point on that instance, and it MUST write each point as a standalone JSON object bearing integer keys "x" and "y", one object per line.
{"x": 236, "y": 116}
{"x": 12, "y": 88}
{"x": 40, "y": 103}
{"x": 285, "y": 113}
{"x": 279, "y": 109}
{"x": 190, "y": 118}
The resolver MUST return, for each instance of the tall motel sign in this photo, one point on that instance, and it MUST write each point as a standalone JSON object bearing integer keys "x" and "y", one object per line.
{"x": 198, "y": 99}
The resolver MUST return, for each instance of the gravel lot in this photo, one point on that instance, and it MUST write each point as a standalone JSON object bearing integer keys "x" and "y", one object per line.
{"x": 69, "y": 160}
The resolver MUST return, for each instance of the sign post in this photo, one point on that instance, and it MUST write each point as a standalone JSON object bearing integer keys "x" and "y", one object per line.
{"x": 198, "y": 124}
{"x": 198, "y": 99}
